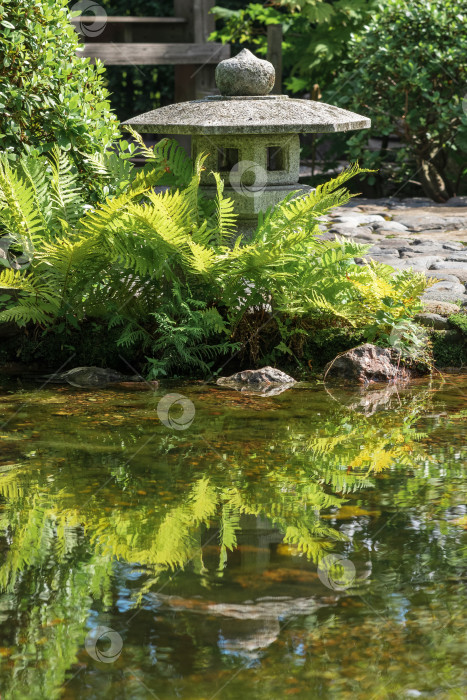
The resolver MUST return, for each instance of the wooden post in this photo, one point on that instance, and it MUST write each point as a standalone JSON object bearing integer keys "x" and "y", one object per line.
{"x": 195, "y": 81}
{"x": 275, "y": 54}
{"x": 204, "y": 77}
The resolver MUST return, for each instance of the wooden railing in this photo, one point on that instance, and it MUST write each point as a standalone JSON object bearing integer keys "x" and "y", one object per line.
{"x": 180, "y": 41}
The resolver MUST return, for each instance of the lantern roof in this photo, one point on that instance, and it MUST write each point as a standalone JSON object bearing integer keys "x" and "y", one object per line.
{"x": 244, "y": 107}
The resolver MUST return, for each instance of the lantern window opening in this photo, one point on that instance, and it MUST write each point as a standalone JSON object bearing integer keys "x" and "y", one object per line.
{"x": 276, "y": 159}
{"x": 227, "y": 159}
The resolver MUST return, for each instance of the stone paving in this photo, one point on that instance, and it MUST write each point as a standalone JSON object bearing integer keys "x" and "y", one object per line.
{"x": 412, "y": 233}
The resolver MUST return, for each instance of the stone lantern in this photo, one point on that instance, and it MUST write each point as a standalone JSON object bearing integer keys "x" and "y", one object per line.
{"x": 252, "y": 138}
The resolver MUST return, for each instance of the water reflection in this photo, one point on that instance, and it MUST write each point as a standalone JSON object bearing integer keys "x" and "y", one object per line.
{"x": 200, "y": 548}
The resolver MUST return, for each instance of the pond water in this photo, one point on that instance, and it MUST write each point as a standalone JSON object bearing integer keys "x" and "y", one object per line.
{"x": 227, "y": 545}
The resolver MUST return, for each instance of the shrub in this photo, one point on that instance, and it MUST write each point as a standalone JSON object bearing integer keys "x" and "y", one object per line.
{"x": 407, "y": 70}
{"x": 49, "y": 95}
{"x": 316, "y": 34}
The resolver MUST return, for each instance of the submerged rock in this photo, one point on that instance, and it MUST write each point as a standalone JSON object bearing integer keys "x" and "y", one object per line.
{"x": 257, "y": 378}
{"x": 134, "y": 385}
{"x": 90, "y": 377}
{"x": 368, "y": 363}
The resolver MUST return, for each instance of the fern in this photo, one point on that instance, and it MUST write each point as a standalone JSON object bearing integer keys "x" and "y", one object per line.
{"x": 171, "y": 158}
{"x": 38, "y": 177}
{"x": 295, "y": 212}
{"x": 168, "y": 267}
{"x": 68, "y": 205}
{"x": 226, "y": 219}
{"x": 184, "y": 335}
{"x": 20, "y": 216}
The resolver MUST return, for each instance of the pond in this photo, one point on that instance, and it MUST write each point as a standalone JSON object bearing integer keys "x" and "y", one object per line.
{"x": 196, "y": 542}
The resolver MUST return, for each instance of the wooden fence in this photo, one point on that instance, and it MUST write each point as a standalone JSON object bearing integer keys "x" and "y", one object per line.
{"x": 181, "y": 41}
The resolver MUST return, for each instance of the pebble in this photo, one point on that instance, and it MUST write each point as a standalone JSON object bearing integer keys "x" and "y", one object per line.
{"x": 454, "y": 245}
{"x": 458, "y": 257}
{"x": 342, "y": 230}
{"x": 431, "y": 222}
{"x": 392, "y": 243}
{"x": 393, "y": 225}
{"x": 460, "y": 273}
{"x": 381, "y": 250}
{"x": 409, "y": 252}
{"x": 445, "y": 286}
{"x": 445, "y": 296}
{"x": 365, "y": 237}
{"x": 359, "y": 219}
{"x": 422, "y": 261}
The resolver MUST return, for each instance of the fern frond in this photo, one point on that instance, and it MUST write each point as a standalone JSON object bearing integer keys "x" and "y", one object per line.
{"x": 37, "y": 302}
{"x": 37, "y": 175}
{"x": 19, "y": 215}
{"x": 68, "y": 204}
{"x": 226, "y": 217}
{"x": 172, "y": 159}
{"x": 305, "y": 210}
{"x": 142, "y": 149}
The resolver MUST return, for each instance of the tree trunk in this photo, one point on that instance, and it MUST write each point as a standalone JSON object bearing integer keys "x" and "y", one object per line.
{"x": 432, "y": 182}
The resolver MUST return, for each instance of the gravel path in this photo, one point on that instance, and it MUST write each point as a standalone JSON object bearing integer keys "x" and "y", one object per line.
{"x": 412, "y": 233}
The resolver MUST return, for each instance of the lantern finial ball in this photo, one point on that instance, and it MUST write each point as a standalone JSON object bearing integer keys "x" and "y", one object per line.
{"x": 244, "y": 75}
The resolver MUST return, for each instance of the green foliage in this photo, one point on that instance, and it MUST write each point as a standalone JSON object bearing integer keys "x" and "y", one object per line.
{"x": 49, "y": 95}
{"x": 169, "y": 267}
{"x": 316, "y": 34}
{"x": 133, "y": 89}
{"x": 449, "y": 350}
{"x": 185, "y": 335}
{"x": 459, "y": 321}
{"x": 394, "y": 326}
{"x": 406, "y": 70}
{"x": 138, "y": 8}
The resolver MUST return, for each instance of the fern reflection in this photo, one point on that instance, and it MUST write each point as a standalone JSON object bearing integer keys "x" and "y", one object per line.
{"x": 159, "y": 525}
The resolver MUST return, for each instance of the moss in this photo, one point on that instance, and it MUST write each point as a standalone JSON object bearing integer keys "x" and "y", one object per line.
{"x": 449, "y": 348}
{"x": 324, "y": 344}
{"x": 459, "y": 322}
